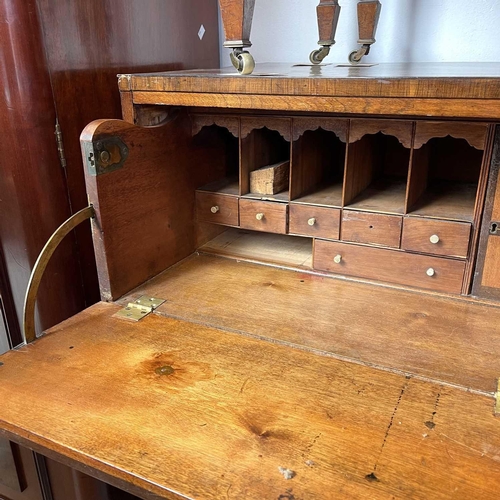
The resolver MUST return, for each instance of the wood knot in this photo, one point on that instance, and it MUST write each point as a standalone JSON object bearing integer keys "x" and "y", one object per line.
{"x": 164, "y": 370}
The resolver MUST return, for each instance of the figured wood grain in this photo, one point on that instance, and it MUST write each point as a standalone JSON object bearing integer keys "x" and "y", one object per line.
{"x": 274, "y": 216}
{"x": 384, "y": 106}
{"x": 389, "y": 265}
{"x": 326, "y": 221}
{"x": 436, "y": 81}
{"x": 225, "y": 421}
{"x": 378, "y": 325}
{"x": 375, "y": 229}
{"x": 454, "y": 237}
{"x": 217, "y": 208}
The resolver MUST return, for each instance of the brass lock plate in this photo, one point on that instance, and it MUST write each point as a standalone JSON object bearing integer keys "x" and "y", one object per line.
{"x": 105, "y": 155}
{"x": 142, "y": 307}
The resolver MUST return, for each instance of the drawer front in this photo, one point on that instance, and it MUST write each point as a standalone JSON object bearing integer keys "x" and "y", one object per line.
{"x": 310, "y": 220}
{"x": 436, "y": 237}
{"x": 374, "y": 229}
{"x": 217, "y": 208}
{"x": 422, "y": 271}
{"x": 267, "y": 216}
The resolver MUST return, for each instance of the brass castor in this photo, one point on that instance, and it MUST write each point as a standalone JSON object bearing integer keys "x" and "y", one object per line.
{"x": 356, "y": 55}
{"x": 243, "y": 61}
{"x": 317, "y": 56}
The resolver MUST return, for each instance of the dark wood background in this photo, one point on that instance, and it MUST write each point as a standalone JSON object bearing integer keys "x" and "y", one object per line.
{"x": 59, "y": 62}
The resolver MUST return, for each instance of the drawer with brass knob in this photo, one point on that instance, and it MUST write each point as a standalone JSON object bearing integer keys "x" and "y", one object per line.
{"x": 310, "y": 220}
{"x": 217, "y": 208}
{"x": 438, "y": 237}
{"x": 391, "y": 266}
{"x": 268, "y": 216}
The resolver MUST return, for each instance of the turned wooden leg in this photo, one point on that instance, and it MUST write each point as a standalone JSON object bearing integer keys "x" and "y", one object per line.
{"x": 328, "y": 12}
{"x": 237, "y": 18}
{"x": 368, "y": 16}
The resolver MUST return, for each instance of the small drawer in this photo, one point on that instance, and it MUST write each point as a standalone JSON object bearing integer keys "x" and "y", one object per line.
{"x": 267, "y": 216}
{"x": 422, "y": 271}
{"x": 217, "y": 208}
{"x": 374, "y": 229}
{"x": 436, "y": 237}
{"x": 309, "y": 220}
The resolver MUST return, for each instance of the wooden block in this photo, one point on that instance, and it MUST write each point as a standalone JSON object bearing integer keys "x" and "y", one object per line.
{"x": 271, "y": 179}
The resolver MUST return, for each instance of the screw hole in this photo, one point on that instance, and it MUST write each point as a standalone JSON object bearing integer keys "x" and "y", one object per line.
{"x": 371, "y": 227}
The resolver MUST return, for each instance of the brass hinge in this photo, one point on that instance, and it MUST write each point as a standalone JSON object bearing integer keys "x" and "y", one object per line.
{"x": 60, "y": 145}
{"x": 135, "y": 311}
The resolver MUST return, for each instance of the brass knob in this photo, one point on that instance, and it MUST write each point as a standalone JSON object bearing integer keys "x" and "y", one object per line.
{"x": 259, "y": 216}
{"x": 311, "y": 221}
{"x": 337, "y": 259}
{"x": 215, "y": 209}
{"x": 430, "y": 272}
{"x": 434, "y": 239}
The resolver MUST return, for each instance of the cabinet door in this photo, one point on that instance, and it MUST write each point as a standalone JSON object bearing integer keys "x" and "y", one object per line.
{"x": 487, "y": 275}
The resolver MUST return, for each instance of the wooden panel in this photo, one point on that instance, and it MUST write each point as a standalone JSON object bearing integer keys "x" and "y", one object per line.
{"x": 488, "y": 259}
{"x": 273, "y": 220}
{"x": 146, "y": 209}
{"x": 217, "y": 208}
{"x": 389, "y": 265}
{"x": 402, "y": 130}
{"x": 241, "y": 412}
{"x": 32, "y": 183}
{"x": 9, "y": 474}
{"x": 83, "y": 55}
{"x": 473, "y": 133}
{"x": 379, "y": 325}
{"x": 376, "y": 229}
{"x": 491, "y": 270}
{"x": 453, "y": 237}
{"x": 309, "y": 220}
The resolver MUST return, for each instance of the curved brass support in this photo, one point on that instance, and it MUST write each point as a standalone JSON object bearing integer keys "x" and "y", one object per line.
{"x": 29, "y": 333}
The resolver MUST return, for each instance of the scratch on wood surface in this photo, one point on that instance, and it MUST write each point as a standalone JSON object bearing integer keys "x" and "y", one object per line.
{"x": 482, "y": 453}
{"x": 227, "y": 491}
{"x": 244, "y": 385}
{"x": 371, "y": 476}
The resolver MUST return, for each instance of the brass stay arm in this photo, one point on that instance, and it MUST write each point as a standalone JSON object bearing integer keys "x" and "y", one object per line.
{"x": 29, "y": 333}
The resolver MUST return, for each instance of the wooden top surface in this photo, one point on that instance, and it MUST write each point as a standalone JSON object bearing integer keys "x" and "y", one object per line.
{"x": 231, "y": 411}
{"x": 444, "y": 338}
{"x": 419, "y": 80}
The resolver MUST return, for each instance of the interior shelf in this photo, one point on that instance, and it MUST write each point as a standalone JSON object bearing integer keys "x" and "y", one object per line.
{"x": 386, "y": 195}
{"x": 377, "y": 174}
{"x": 226, "y": 185}
{"x": 444, "y": 179}
{"x": 290, "y": 251}
{"x": 446, "y": 200}
{"x": 223, "y": 146}
{"x": 329, "y": 195}
{"x": 283, "y": 196}
{"x": 318, "y": 168}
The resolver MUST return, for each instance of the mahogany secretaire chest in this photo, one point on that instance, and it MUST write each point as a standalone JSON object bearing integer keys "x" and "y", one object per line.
{"x": 300, "y": 282}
